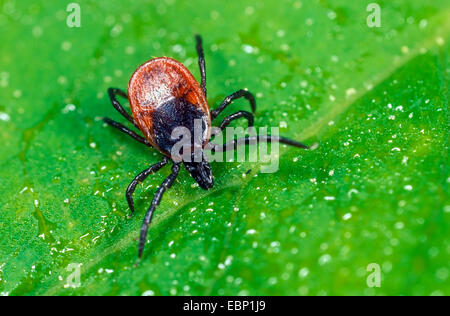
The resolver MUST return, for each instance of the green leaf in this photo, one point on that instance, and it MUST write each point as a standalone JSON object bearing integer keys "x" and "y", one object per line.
{"x": 375, "y": 190}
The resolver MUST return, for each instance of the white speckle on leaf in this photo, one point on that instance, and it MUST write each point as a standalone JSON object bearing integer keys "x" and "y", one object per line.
{"x": 66, "y": 45}
{"x": 284, "y": 47}
{"x": 423, "y": 23}
{"x": 116, "y": 30}
{"x": 440, "y": 41}
{"x": 4, "y": 117}
{"x": 177, "y": 49}
{"x": 324, "y": 259}
{"x": 275, "y": 244}
{"x": 399, "y": 225}
{"x": 297, "y": 5}
{"x": 68, "y": 108}
{"x": 249, "y": 10}
{"x": 281, "y": 33}
{"x": 350, "y": 92}
{"x": 248, "y": 49}
{"x": 303, "y": 272}
{"x": 4, "y": 79}
{"x": 408, "y": 187}
{"x": 129, "y": 50}
{"x": 347, "y": 216}
{"x": 62, "y": 80}
{"x": 331, "y": 15}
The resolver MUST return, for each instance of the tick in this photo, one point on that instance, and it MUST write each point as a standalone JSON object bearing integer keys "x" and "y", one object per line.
{"x": 164, "y": 95}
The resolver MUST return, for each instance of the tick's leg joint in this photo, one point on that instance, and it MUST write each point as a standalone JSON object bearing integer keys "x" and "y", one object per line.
{"x": 140, "y": 178}
{"x": 112, "y": 93}
{"x": 229, "y": 99}
{"x": 249, "y": 116}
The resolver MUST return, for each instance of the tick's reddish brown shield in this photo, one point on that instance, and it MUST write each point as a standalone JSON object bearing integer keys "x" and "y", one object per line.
{"x": 155, "y": 83}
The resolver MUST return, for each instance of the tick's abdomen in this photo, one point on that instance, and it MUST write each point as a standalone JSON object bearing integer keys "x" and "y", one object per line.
{"x": 163, "y": 95}
{"x": 179, "y": 121}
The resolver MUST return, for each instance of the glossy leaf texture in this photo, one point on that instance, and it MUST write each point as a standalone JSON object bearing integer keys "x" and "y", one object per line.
{"x": 374, "y": 191}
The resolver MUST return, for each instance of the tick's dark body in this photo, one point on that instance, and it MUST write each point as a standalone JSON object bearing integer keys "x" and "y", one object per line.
{"x": 172, "y": 114}
{"x": 164, "y": 95}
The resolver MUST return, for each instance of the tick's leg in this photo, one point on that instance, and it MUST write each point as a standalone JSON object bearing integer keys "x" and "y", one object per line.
{"x": 167, "y": 183}
{"x": 113, "y": 92}
{"x": 253, "y": 140}
{"x": 201, "y": 62}
{"x": 140, "y": 178}
{"x": 127, "y": 131}
{"x": 236, "y": 95}
{"x": 235, "y": 116}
